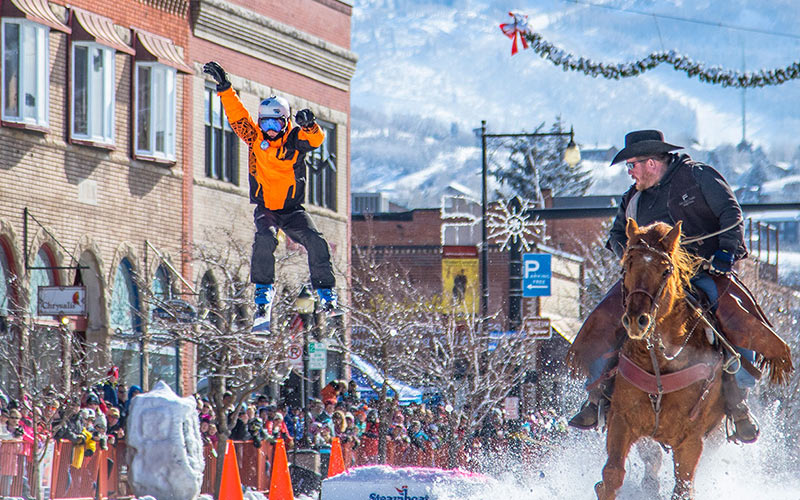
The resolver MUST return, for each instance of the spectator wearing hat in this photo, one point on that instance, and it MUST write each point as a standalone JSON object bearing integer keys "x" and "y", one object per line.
{"x": 110, "y": 386}
{"x": 280, "y": 431}
{"x": 325, "y": 416}
{"x": 315, "y": 407}
{"x": 116, "y": 431}
{"x": 360, "y": 420}
{"x": 134, "y": 391}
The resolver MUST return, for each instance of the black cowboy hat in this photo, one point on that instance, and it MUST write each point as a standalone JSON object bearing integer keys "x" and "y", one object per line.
{"x": 643, "y": 143}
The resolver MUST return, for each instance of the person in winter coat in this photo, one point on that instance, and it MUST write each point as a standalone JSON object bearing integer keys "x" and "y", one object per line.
{"x": 277, "y": 178}
{"x": 672, "y": 188}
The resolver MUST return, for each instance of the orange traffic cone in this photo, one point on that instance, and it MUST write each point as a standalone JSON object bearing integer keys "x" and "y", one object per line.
{"x": 336, "y": 462}
{"x": 230, "y": 488}
{"x": 280, "y": 482}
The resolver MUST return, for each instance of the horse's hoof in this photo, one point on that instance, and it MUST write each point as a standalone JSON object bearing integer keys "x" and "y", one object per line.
{"x": 599, "y": 490}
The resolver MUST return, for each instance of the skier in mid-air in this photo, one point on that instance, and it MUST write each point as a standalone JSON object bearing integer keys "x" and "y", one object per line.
{"x": 277, "y": 188}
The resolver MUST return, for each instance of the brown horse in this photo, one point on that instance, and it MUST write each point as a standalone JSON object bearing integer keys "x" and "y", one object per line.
{"x": 670, "y": 386}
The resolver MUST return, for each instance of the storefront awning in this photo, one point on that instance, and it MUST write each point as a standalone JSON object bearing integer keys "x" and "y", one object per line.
{"x": 566, "y": 327}
{"x": 37, "y": 11}
{"x": 97, "y": 28}
{"x": 363, "y": 371}
{"x": 160, "y": 49}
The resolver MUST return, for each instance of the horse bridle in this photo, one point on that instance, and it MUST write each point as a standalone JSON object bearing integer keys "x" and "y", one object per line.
{"x": 654, "y": 299}
{"x": 655, "y": 399}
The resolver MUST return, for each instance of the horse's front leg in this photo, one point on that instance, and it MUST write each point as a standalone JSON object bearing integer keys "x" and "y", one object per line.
{"x": 686, "y": 456}
{"x": 619, "y": 439}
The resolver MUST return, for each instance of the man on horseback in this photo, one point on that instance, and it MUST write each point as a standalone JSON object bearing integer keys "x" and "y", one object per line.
{"x": 671, "y": 187}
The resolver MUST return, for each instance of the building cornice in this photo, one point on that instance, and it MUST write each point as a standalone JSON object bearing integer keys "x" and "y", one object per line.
{"x": 258, "y": 36}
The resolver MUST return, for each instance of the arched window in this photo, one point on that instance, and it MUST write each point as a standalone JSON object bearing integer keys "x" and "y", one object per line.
{"x": 40, "y": 276}
{"x": 162, "y": 351}
{"x": 125, "y": 322}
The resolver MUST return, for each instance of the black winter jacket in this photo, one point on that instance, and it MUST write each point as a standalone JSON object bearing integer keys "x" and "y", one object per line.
{"x": 694, "y": 193}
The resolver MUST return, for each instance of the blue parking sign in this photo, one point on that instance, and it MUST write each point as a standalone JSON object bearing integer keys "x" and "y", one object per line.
{"x": 536, "y": 274}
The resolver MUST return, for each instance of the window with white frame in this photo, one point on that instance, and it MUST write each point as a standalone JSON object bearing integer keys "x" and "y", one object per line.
{"x": 222, "y": 144}
{"x": 25, "y": 77}
{"x": 155, "y": 111}
{"x": 92, "y": 92}
{"x": 321, "y": 185}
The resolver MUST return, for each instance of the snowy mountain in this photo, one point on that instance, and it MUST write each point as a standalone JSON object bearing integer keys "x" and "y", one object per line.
{"x": 430, "y": 70}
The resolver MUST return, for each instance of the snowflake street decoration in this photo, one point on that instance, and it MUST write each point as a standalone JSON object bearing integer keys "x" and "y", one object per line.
{"x": 511, "y": 224}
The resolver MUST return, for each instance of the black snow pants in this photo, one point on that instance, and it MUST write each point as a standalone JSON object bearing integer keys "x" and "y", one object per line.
{"x": 298, "y": 226}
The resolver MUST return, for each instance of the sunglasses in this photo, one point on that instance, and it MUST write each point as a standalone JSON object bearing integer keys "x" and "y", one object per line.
{"x": 632, "y": 164}
{"x": 271, "y": 124}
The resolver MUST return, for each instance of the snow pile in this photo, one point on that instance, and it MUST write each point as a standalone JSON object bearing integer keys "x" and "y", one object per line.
{"x": 382, "y": 482}
{"x": 165, "y": 450}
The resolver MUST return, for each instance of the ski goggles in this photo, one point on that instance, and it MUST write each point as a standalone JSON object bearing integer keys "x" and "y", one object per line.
{"x": 271, "y": 124}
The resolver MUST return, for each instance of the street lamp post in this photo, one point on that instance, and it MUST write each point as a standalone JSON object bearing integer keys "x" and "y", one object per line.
{"x": 305, "y": 308}
{"x": 572, "y": 156}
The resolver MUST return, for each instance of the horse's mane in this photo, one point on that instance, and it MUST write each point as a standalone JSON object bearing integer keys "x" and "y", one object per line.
{"x": 685, "y": 264}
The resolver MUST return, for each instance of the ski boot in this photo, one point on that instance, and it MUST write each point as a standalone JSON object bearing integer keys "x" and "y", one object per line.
{"x": 261, "y": 318}
{"x": 329, "y": 302}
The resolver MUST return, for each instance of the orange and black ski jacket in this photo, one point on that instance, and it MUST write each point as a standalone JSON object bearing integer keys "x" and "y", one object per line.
{"x": 277, "y": 173}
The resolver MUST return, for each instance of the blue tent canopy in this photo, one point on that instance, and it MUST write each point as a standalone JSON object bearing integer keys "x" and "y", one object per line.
{"x": 363, "y": 372}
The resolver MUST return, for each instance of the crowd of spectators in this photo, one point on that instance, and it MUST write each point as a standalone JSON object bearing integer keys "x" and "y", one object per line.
{"x": 98, "y": 420}
{"x": 340, "y": 412}
{"x": 94, "y": 421}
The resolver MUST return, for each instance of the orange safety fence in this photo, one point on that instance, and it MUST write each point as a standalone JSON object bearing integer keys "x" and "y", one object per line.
{"x": 255, "y": 465}
{"x": 103, "y": 469}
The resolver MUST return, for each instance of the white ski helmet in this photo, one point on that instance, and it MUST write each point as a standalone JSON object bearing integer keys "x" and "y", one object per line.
{"x": 274, "y": 107}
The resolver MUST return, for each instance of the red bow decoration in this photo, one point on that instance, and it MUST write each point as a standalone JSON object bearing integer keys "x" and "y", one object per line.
{"x": 516, "y": 30}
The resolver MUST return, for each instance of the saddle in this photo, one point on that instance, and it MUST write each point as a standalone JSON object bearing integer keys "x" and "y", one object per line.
{"x": 738, "y": 315}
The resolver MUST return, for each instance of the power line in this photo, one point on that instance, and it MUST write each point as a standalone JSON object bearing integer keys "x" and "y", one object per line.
{"x": 688, "y": 20}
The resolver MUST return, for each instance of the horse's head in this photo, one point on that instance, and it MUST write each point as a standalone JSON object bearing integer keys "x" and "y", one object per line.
{"x": 654, "y": 271}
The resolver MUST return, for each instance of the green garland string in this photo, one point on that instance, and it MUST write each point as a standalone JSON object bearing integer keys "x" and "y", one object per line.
{"x": 715, "y": 74}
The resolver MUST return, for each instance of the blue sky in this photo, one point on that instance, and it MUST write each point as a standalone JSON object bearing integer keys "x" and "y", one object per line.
{"x": 448, "y": 60}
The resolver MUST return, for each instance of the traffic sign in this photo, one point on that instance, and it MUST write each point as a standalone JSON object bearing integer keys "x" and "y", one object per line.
{"x": 537, "y": 328}
{"x": 317, "y": 356}
{"x": 295, "y": 356}
{"x": 536, "y": 274}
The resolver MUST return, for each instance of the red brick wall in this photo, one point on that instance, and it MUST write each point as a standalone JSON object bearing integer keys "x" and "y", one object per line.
{"x": 423, "y": 229}
{"x": 327, "y": 19}
{"x": 137, "y": 15}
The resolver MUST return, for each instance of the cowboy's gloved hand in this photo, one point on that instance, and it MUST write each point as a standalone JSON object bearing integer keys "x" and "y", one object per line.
{"x": 305, "y": 118}
{"x": 218, "y": 74}
{"x": 721, "y": 262}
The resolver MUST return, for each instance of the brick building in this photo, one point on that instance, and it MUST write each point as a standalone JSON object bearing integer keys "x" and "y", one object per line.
{"x": 105, "y": 130}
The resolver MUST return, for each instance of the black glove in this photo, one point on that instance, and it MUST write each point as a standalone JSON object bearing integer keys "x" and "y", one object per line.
{"x": 305, "y": 118}
{"x": 218, "y": 74}
{"x": 721, "y": 262}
